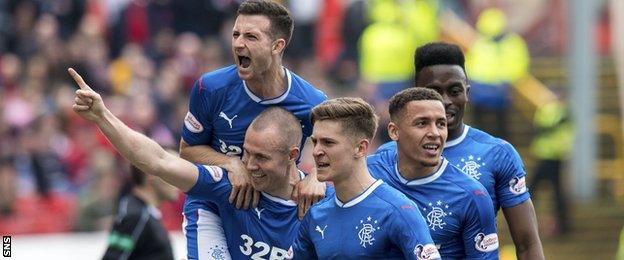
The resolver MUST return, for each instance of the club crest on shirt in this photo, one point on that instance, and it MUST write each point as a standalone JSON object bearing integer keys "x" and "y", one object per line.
{"x": 517, "y": 185}
{"x": 471, "y": 166}
{"x": 425, "y": 252}
{"x": 218, "y": 252}
{"x": 435, "y": 214}
{"x": 366, "y": 231}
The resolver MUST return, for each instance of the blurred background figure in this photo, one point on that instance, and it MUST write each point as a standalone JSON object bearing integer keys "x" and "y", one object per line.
{"x": 551, "y": 148}
{"x": 497, "y": 59}
{"x": 137, "y": 231}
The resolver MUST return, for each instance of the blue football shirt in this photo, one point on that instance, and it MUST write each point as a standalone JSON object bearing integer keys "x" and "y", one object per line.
{"x": 490, "y": 160}
{"x": 266, "y": 231}
{"x": 221, "y": 107}
{"x": 380, "y": 223}
{"x": 457, "y": 208}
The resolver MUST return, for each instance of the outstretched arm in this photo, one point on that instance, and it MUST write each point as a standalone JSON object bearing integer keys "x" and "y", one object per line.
{"x": 140, "y": 150}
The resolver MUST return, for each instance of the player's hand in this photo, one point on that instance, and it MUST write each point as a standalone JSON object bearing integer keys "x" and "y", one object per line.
{"x": 87, "y": 103}
{"x": 243, "y": 194}
{"x": 307, "y": 192}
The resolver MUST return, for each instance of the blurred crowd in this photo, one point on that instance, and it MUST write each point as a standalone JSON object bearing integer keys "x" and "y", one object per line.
{"x": 58, "y": 173}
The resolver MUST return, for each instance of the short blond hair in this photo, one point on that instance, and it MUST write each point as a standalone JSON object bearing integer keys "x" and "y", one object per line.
{"x": 357, "y": 117}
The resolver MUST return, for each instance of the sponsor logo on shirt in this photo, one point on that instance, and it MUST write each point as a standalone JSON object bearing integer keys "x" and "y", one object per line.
{"x": 191, "y": 123}
{"x": 486, "y": 243}
{"x": 321, "y": 231}
{"x": 517, "y": 185}
{"x": 215, "y": 172}
{"x": 425, "y": 252}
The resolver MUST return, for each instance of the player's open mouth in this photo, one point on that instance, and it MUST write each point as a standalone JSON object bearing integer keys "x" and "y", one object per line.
{"x": 244, "y": 61}
{"x": 431, "y": 147}
{"x": 257, "y": 175}
{"x": 321, "y": 165}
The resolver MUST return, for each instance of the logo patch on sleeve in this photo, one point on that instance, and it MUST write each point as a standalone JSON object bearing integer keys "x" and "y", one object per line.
{"x": 517, "y": 185}
{"x": 215, "y": 172}
{"x": 191, "y": 123}
{"x": 486, "y": 243}
{"x": 425, "y": 252}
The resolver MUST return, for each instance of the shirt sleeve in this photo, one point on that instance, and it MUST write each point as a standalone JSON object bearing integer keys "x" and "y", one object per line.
{"x": 302, "y": 247}
{"x": 125, "y": 234}
{"x": 411, "y": 234}
{"x": 479, "y": 235}
{"x": 511, "y": 187}
{"x": 197, "y": 127}
{"x": 212, "y": 185}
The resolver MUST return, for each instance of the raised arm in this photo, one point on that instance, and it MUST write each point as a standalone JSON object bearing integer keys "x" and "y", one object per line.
{"x": 140, "y": 150}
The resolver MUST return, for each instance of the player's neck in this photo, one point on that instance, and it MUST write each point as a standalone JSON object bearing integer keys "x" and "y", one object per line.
{"x": 411, "y": 170}
{"x": 354, "y": 184}
{"x": 270, "y": 84}
{"x": 147, "y": 195}
{"x": 284, "y": 191}
{"x": 455, "y": 133}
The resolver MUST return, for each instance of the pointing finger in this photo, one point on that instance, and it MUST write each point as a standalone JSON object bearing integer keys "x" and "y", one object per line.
{"x": 78, "y": 79}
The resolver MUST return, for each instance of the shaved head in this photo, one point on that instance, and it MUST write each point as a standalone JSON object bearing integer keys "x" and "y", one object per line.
{"x": 286, "y": 126}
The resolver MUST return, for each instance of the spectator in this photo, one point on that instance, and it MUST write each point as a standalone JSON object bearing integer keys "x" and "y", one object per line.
{"x": 494, "y": 62}
{"x": 551, "y": 147}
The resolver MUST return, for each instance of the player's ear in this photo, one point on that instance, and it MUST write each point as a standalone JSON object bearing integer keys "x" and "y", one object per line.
{"x": 467, "y": 92}
{"x": 393, "y": 131}
{"x": 278, "y": 46}
{"x": 293, "y": 154}
{"x": 362, "y": 148}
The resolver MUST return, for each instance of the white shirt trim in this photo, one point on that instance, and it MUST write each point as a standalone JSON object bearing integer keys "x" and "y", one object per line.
{"x": 360, "y": 197}
{"x": 422, "y": 181}
{"x": 459, "y": 139}
{"x": 279, "y": 200}
{"x": 272, "y": 100}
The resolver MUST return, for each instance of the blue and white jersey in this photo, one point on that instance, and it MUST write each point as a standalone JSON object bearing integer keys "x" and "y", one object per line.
{"x": 380, "y": 223}
{"x": 266, "y": 231}
{"x": 457, "y": 208}
{"x": 490, "y": 160}
{"x": 221, "y": 108}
